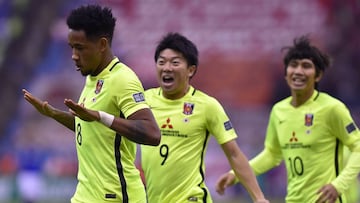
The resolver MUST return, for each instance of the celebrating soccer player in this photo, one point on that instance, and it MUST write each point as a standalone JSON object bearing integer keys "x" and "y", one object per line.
{"x": 175, "y": 170}
{"x": 308, "y": 131}
{"x": 111, "y": 115}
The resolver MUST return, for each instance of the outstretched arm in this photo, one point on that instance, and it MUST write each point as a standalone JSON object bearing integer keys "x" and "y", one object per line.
{"x": 263, "y": 162}
{"x": 63, "y": 117}
{"x": 239, "y": 163}
{"x": 140, "y": 127}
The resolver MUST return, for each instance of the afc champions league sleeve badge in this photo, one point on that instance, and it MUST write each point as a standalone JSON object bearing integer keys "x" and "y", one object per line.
{"x": 99, "y": 86}
{"x": 188, "y": 108}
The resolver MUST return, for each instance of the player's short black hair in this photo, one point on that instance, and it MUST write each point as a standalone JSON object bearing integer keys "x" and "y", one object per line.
{"x": 94, "y": 20}
{"x": 181, "y": 44}
{"x": 302, "y": 49}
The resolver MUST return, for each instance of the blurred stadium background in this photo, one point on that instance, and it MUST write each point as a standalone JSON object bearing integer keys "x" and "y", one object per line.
{"x": 240, "y": 64}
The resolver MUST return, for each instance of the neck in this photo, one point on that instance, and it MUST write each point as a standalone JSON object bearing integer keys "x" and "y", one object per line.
{"x": 105, "y": 62}
{"x": 299, "y": 98}
{"x": 107, "y": 59}
{"x": 177, "y": 95}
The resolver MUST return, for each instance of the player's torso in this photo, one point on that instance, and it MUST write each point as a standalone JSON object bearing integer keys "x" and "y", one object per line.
{"x": 95, "y": 96}
{"x": 183, "y": 134}
{"x": 106, "y": 169}
{"x": 305, "y": 132}
{"x": 310, "y": 150}
{"x": 176, "y": 165}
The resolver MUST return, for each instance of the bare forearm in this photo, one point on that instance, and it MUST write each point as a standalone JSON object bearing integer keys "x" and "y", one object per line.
{"x": 139, "y": 127}
{"x": 246, "y": 176}
{"x": 240, "y": 164}
{"x": 139, "y": 131}
{"x": 64, "y": 118}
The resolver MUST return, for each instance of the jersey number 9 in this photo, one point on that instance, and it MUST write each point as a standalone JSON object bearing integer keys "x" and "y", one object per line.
{"x": 164, "y": 152}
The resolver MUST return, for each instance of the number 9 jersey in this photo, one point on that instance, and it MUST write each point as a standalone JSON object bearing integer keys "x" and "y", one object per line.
{"x": 175, "y": 170}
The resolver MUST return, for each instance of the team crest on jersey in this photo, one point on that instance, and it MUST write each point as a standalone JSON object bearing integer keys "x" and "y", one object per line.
{"x": 309, "y": 117}
{"x": 188, "y": 108}
{"x": 99, "y": 86}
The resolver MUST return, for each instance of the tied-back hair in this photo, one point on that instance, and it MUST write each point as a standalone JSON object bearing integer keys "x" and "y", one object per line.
{"x": 302, "y": 49}
{"x": 94, "y": 20}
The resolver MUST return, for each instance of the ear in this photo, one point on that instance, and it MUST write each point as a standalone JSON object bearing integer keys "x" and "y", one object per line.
{"x": 191, "y": 71}
{"x": 318, "y": 78}
{"x": 103, "y": 44}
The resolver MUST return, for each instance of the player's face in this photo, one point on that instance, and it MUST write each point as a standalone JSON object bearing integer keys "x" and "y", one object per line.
{"x": 301, "y": 76}
{"x": 173, "y": 73}
{"x": 85, "y": 53}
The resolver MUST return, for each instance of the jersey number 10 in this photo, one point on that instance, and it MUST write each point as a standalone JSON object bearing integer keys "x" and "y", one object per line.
{"x": 296, "y": 166}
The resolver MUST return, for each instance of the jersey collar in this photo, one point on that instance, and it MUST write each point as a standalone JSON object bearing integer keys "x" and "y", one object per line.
{"x": 106, "y": 70}
{"x": 189, "y": 93}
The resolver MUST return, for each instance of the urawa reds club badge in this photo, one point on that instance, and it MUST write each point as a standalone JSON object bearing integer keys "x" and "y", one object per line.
{"x": 188, "y": 108}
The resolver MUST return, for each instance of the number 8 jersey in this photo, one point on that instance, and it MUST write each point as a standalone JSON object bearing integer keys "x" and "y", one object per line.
{"x": 174, "y": 171}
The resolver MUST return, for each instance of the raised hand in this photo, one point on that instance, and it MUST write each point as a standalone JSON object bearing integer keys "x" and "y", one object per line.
{"x": 42, "y": 106}
{"x": 81, "y": 112}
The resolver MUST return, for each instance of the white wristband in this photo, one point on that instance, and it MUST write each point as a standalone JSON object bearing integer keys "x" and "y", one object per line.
{"x": 106, "y": 119}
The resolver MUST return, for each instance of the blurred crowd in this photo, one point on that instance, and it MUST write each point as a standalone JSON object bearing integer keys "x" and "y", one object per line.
{"x": 240, "y": 64}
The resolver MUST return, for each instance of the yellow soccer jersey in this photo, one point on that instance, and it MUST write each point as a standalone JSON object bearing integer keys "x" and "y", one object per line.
{"x": 106, "y": 159}
{"x": 310, "y": 140}
{"x": 174, "y": 171}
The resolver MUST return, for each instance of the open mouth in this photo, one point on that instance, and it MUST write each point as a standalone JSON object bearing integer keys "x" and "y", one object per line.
{"x": 298, "y": 81}
{"x": 78, "y": 67}
{"x": 167, "y": 79}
